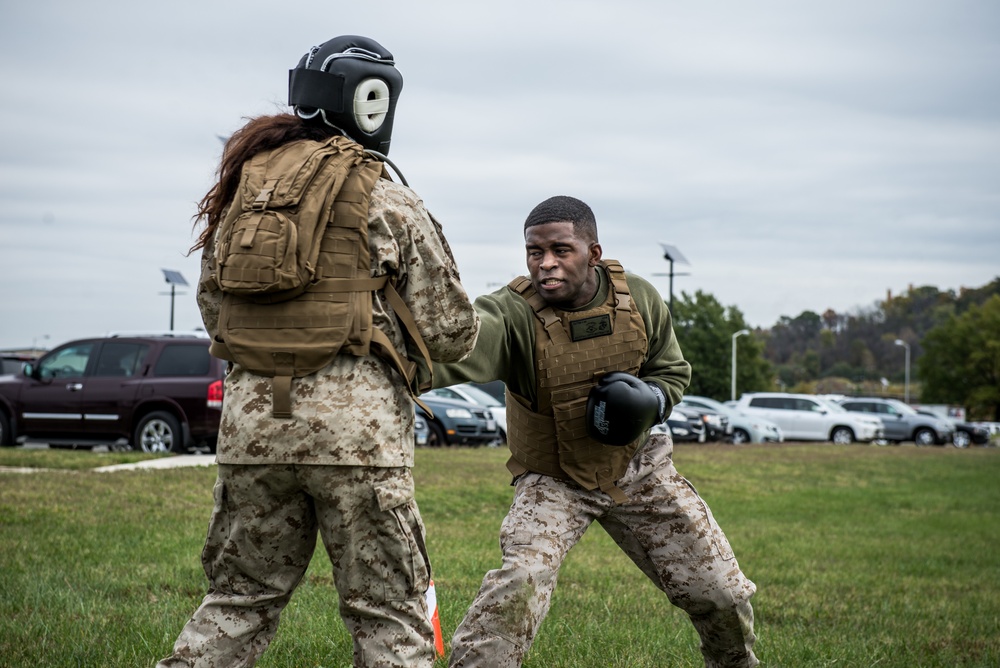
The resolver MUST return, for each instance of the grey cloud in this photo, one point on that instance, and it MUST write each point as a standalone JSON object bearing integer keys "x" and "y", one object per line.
{"x": 802, "y": 158}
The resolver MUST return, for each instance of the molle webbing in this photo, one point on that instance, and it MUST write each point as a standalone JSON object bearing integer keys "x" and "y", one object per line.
{"x": 291, "y": 338}
{"x": 553, "y": 439}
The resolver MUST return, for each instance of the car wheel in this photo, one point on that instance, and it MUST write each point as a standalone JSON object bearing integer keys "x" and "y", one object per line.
{"x": 961, "y": 439}
{"x": 6, "y": 438}
{"x": 842, "y": 436}
{"x": 158, "y": 432}
{"x": 924, "y": 437}
{"x": 435, "y": 436}
{"x": 740, "y": 437}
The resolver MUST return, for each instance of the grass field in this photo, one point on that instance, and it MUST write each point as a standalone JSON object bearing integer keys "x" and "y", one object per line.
{"x": 863, "y": 556}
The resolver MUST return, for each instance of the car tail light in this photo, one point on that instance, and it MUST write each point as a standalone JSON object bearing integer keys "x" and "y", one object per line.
{"x": 214, "y": 399}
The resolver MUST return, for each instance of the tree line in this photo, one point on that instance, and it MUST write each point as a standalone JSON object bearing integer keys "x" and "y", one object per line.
{"x": 953, "y": 340}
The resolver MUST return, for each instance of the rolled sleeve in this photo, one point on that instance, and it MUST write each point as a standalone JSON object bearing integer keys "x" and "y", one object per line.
{"x": 430, "y": 284}
{"x": 209, "y": 296}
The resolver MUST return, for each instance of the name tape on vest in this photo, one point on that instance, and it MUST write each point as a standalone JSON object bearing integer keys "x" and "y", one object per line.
{"x": 590, "y": 328}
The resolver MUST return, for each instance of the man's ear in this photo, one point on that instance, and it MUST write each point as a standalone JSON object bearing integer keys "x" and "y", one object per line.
{"x": 595, "y": 254}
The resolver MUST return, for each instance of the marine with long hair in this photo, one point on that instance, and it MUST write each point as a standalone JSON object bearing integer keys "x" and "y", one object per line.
{"x": 325, "y": 452}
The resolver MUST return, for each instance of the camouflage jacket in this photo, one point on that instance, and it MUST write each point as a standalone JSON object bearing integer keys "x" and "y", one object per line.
{"x": 355, "y": 411}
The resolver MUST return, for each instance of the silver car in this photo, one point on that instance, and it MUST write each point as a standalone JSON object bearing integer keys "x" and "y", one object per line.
{"x": 807, "y": 417}
{"x": 421, "y": 432}
{"x": 901, "y": 421}
{"x": 745, "y": 428}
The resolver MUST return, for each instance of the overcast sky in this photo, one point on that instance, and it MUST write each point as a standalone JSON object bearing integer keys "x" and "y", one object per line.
{"x": 801, "y": 155}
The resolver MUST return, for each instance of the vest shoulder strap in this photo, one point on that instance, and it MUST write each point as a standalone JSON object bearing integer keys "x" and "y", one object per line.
{"x": 545, "y": 313}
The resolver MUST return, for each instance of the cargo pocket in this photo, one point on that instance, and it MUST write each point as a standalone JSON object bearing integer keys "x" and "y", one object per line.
{"x": 213, "y": 555}
{"x": 715, "y": 534}
{"x": 518, "y": 525}
{"x": 405, "y": 564}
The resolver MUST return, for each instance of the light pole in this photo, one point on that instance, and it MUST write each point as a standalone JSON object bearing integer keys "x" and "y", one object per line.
{"x": 736, "y": 336}
{"x": 672, "y": 254}
{"x": 906, "y": 385}
{"x": 34, "y": 342}
{"x": 174, "y": 278}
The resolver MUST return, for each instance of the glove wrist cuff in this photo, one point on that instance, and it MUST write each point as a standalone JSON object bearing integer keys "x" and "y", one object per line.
{"x": 661, "y": 398}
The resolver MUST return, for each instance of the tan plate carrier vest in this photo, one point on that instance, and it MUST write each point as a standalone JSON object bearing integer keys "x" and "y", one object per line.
{"x": 572, "y": 350}
{"x": 333, "y": 315}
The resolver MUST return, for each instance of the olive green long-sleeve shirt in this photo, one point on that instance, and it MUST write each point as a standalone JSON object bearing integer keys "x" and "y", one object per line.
{"x": 505, "y": 349}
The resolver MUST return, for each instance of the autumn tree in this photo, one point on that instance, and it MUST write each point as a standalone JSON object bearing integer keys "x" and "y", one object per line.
{"x": 961, "y": 360}
{"x": 705, "y": 328}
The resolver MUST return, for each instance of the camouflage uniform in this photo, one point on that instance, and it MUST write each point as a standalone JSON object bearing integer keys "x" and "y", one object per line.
{"x": 339, "y": 466}
{"x": 664, "y": 526}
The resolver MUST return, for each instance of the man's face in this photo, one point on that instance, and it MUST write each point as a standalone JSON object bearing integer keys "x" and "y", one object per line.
{"x": 561, "y": 264}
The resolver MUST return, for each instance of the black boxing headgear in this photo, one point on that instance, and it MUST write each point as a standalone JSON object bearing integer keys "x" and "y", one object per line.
{"x": 351, "y": 84}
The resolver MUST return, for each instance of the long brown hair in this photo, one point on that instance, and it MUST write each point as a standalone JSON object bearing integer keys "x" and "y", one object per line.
{"x": 262, "y": 133}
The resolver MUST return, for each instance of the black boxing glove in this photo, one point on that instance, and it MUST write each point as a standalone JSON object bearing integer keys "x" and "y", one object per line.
{"x": 621, "y": 407}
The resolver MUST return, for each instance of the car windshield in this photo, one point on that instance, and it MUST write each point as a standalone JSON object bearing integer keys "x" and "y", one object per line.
{"x": 833, "y": 406}
{"x": 481, "y": 397}
{"x": 709, "y": 403}
{"x": 905, "y": 409}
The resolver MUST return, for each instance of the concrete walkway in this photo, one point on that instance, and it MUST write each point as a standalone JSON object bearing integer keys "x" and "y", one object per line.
{"x": 148, "y": 465}
{"x": 164, "y": 463}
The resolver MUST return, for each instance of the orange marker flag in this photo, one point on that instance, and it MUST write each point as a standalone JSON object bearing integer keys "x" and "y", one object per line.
{"x": 432, "y": 611}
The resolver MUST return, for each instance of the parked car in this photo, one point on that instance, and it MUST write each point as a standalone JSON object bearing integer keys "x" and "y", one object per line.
{"x": 684, "y": 425}
{"x": 458, "y": 422}
{"x": 745, "y": 428}
{"x": 901, "y": 421}
{"x": 421, "y": 432}
{"x": 807, "y": 417}
{"x": 469, "y": 392}
{"x": 495, "y": 388}
{"x": 717, "y": 427}
{"x": 156, "y": 394}
{"x": 965, "y": 434}
{"x": 13, "y": 363}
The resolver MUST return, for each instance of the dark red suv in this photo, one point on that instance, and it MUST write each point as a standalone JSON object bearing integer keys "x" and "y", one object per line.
{"x": 157, "y": 393}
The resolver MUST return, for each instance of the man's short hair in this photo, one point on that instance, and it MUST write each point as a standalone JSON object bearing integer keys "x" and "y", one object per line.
{"x": 563, "y": 209}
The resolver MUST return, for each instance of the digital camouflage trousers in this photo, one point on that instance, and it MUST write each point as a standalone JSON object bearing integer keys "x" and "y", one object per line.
{"x": 665, "y": 528}
{"x": 261, "y": 537}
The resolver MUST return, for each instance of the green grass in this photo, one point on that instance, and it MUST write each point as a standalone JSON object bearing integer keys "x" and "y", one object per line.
{"x": 863, "y": 556}
{"x": 68, "y": 460}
